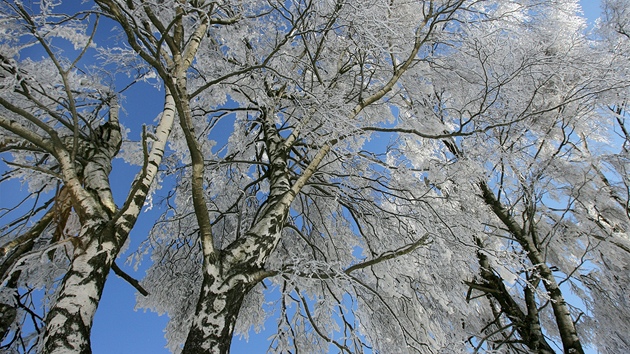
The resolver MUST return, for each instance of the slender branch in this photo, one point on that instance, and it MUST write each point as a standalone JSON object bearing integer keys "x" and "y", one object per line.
{"x": 129, "y": 279}
{"x": 28, "y": 134}
{"x": 390, "y": 254}
{"x": 341, "y": 347}
{"x": 330, "y": 275}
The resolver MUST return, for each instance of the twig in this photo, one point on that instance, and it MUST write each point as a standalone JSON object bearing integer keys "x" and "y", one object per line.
{"x": 129, "y": 279}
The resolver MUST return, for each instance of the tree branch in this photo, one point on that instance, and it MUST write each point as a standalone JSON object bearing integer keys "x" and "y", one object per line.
{"x": 390, "y": 254}
{"x": 133, "y": 282}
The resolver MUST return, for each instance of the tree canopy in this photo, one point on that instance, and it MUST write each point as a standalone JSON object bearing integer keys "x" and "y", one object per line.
{"x": 374, "y": 176}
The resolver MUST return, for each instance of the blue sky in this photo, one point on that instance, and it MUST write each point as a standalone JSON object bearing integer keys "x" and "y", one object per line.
{"x": 591, "y": 9}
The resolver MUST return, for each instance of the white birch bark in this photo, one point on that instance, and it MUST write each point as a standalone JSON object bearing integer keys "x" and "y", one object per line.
{"x": 69, "y": 322}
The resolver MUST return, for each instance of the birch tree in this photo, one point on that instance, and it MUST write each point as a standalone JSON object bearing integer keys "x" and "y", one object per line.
{"x": 557, "y": 220}
{"x": 402, "y": 176}
{"x": 60, "y": 122}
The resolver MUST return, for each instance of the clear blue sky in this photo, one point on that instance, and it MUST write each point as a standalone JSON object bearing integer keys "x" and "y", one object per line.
{"x": 591, "y": 9}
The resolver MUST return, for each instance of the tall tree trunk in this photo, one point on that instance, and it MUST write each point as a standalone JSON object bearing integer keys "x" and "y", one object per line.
{"x": 228, "y": 279}
{"x": 216, "y": 313}
{"x": 69, "y": 321}
{"x": 564, "y": 320}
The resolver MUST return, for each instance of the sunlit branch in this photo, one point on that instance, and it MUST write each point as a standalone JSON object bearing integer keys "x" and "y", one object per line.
{"x": 28, "y": 134}
{"x": 64, "y": 76}
{"x": 423, "y": 241}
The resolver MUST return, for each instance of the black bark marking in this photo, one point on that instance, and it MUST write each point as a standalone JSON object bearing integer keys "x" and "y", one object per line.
{"x": 220, "y": 338}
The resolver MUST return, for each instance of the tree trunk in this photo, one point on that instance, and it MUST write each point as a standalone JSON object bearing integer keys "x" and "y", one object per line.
{"x": 566, "y": 327}
{"x": 527, "y": 325}
{"x": 231, "y": 276}
{"x": 564, "y": 321}
{"x": 538, "y": 344}
{"x": 216, "y": 313}
{"x": 69, "y": 321}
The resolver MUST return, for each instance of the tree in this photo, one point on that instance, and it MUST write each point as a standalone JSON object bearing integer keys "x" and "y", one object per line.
{"x": 61, "y": 125}
{"x": 396, "y": 176}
